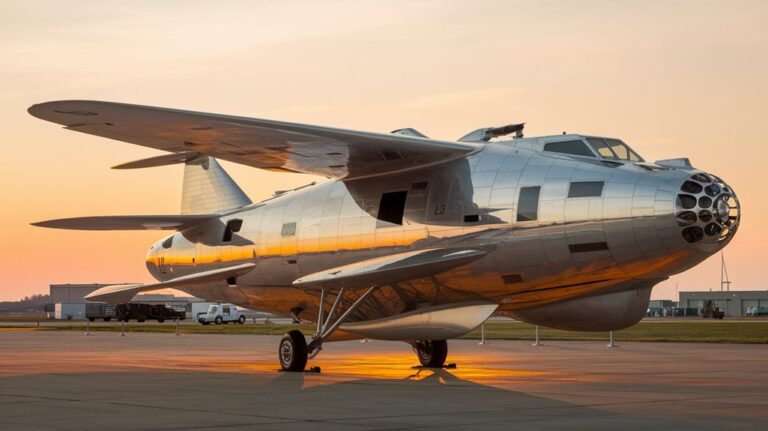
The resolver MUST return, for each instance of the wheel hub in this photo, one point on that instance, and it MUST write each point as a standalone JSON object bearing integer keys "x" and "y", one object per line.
{"x": 286, "y": 353}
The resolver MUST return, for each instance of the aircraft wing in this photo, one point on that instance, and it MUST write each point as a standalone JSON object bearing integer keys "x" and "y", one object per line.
{"x": 120, "y": 293}
{"x": 265, "y": 144}
{"x": 130, "y": 222}
{"x": 390, "y": 269}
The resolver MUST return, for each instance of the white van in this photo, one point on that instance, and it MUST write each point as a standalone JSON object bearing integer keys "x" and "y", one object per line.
{"x": 221, "y": 313}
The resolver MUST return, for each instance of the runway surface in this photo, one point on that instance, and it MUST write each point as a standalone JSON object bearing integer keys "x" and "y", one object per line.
{"x": 66, "y": 380}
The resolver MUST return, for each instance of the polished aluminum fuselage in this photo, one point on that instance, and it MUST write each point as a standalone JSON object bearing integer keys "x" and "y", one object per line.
{"x": 616, "y": 245}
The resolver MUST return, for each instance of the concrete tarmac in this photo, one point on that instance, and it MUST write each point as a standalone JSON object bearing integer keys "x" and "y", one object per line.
{"x": 60, "y": 380}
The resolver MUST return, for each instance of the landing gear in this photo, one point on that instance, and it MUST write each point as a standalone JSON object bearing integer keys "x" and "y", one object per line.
{"x": 293, "y": 351}
{"x": 431, "y": 353}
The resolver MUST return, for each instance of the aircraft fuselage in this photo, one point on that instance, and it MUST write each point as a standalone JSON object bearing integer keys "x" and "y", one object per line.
{"x": 564, "y": 232}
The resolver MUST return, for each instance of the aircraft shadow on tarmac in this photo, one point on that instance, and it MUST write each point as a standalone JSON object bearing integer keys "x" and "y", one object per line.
{"x": 424, "y": 399}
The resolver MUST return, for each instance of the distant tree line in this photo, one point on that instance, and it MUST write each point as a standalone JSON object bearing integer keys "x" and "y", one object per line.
{"x": 34, "y": 303}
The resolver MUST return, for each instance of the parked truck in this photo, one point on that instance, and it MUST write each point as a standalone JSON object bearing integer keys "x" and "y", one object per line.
{"x": 221, "y": 313}
{"x": 143, "y": 312}
{"x": 99, "y": 311}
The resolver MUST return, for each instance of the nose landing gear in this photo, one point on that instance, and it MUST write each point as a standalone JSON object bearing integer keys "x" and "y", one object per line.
{"x": 293, "y": 351}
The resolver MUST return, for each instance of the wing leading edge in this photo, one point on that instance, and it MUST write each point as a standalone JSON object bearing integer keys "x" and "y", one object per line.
{"x": 264, "y": 144}
{"x": 390, "y": 269}
{"x": 120, "y": 293}
{"x": 131, "y": 222}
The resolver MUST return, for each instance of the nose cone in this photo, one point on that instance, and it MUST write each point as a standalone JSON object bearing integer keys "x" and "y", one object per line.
{"x": 707, "y": 212}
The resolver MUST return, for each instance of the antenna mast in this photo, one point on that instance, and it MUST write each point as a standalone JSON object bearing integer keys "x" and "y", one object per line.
{"x": 725, "y": 282}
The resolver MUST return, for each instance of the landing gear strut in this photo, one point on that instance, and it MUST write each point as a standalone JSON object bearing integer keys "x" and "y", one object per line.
{"x": 431, "y": 353}
{"x": 294, "y": 349}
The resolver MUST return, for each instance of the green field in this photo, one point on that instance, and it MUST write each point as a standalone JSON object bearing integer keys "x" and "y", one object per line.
{"x": 687, "y": 331}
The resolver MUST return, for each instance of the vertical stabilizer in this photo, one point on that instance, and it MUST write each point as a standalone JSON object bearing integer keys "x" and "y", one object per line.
{"x": 209, "y": 189}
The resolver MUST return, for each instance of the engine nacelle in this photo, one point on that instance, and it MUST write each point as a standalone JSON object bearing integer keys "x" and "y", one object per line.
{"x": 608, "y": 312}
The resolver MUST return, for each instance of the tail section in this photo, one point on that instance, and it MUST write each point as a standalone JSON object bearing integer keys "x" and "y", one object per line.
{"x": 209, "y": 189}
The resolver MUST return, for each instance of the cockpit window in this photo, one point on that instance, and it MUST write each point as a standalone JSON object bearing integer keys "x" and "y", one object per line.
{"x": 614, "y": 149}
{"x": 576, "y": 148}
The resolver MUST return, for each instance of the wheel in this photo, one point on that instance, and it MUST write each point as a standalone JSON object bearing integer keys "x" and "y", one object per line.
{"x": 107, "y": 319}
{"x": 293, "y": 351}
{"x": 92, "y": 319}
{"x": 206, "y": 323}
{"x": 219, "y": 320}
{"x": 241, "y": 320}
{"x": 141, "y": 320}
{"x": 432, "y": 353}
{"x": 161, "y": 320}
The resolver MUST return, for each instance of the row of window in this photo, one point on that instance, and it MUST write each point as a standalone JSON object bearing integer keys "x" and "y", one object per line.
{"x": 392, "y": 208}
{"x": 606, "y": 148}
{"x": 528, "y": 204}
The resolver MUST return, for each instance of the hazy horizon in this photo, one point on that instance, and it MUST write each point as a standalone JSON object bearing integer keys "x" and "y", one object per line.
{"x": 672, "y": 79}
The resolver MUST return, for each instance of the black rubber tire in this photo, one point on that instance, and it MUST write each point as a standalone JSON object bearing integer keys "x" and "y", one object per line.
{"x": 91, "y": 319}
{"x": 141, "y": 320}
{"x": 241, "y": 320}
{"x": 432, "y": 353}
{"x": 218, "y": 320}
{"x": 292, "y": 352}
{"x": 161, "y": 320}
{"x": 107, "y": 319}
{"x": 206, "y": 323}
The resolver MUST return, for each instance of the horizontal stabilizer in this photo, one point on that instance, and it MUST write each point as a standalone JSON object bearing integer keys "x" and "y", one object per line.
{"x": 120, "y": 293}
{"x": 130, "y": 222}
{"x": 163, "y": 160}
{"x": 390, "y": 269}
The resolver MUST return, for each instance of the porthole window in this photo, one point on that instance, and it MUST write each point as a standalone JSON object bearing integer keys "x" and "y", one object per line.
{"x": 712, "y": 190}
{"x": 693, "y": 234}
{"x": 686, "y": 218}
{"x": 686, "y": 201}
{"x": 712, "y": 229}
{"x": 691, "y": 187}
{"x": 701, "y": 178}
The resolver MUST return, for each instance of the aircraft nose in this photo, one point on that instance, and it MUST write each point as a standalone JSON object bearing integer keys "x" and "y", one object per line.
{"x": 707, "y": 211}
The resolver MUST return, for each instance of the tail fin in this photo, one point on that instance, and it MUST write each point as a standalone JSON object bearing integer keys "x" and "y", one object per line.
{"x": 209, "y": 189}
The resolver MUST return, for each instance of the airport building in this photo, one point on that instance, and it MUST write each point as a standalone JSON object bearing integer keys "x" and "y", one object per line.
{"x": 745, "y": 303}
{"x": 68, "y": 301}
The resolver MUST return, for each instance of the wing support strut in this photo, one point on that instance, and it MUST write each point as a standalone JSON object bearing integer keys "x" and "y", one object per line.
{"x": 326, "y": 326}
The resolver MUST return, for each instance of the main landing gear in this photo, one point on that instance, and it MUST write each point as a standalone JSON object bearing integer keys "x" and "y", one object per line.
{"x": 431, "y": 353}
{"x": 294, "y": 351}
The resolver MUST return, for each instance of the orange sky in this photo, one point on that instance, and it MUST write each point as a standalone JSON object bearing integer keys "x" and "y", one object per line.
{"x": 670, "y": 78}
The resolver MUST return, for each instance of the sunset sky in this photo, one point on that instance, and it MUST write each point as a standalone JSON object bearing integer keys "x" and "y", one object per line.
{"x": 670, "y": 78}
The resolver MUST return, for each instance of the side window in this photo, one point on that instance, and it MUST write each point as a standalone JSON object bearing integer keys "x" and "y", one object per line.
{"x": 576, "y": 148}
{"x": 392, "y": 207}
{"x": 585, "y": 189}
{"x": 289, "y": 229}
{"x": 168, "y": 242}
{"x": 232, "y": 227}
{"x": 528, "y": 204}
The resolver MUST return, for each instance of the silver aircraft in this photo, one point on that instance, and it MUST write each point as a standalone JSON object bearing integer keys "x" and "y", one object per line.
{"x": 411, "y": 238}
